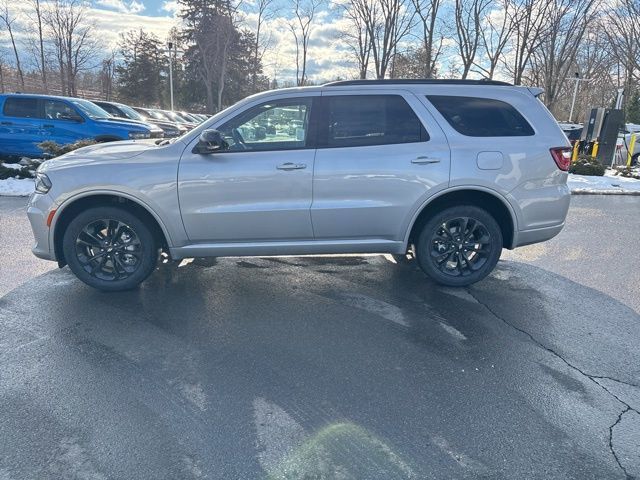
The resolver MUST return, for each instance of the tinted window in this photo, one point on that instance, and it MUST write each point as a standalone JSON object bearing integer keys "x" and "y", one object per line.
{"x": 55, "y": 110}
{"x": 275, "y": 125}
{"x": 21, "y": 107}
{"x": 481, "y": 117}
{"x": 107, "y": 107}
{"x": 362, "y": 120}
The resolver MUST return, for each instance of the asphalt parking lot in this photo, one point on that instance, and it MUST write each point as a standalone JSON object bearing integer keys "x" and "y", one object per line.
{"x": 329, "y": 367}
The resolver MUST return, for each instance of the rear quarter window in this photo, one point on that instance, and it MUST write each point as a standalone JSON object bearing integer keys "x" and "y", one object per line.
{"x": 21, "y": 107}
{"x": 481, "y": 117}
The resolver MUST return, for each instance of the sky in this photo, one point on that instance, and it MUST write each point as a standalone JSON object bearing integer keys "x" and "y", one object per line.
{"x": 328, "y": 58}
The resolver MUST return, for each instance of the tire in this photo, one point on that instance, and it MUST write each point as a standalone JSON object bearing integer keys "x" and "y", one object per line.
{"x": 445, "y": 256}
{"x": 110, "y": 249}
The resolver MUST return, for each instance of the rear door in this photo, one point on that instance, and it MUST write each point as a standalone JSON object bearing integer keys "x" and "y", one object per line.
{"x": 380, "y": 156}
{"x": 20, "y": 126}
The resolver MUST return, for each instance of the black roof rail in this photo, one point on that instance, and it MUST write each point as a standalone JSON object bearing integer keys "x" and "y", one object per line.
{"x": 416, "y": 81}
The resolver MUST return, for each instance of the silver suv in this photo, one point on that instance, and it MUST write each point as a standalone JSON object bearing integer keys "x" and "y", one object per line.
{"x": 453, "y": 170}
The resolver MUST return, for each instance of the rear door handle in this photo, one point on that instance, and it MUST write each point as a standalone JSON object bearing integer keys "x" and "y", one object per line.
{"x": 425, "y": 160}
{"x": 6, "y": 123}
{"x": 291, "y": 166}
{"x": 47, "y": 125}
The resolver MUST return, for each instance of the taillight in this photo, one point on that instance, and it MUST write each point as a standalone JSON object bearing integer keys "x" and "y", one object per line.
{"x": 562, "y": 157}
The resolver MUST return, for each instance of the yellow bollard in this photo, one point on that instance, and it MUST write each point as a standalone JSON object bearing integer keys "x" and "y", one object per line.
{"x": 594, "y": 150}
{"x": 632, "y": 146}
{"x": 574, "y": 153}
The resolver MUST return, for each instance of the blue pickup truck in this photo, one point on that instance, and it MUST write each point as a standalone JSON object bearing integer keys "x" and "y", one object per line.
{"x": 27, "y": 120}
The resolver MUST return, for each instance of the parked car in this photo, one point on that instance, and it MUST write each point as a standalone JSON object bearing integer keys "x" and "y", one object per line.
{"x": 175, "y": 117}
{"x": 453, "y": 170}
{"x": 152, "y": 115}
{"x": 27, "y": 120}
{"x": 120, "y": 110}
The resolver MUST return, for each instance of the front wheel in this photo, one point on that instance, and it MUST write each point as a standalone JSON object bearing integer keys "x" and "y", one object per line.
{"x": 109, "y": 248}
{"x": 459, "y": 246}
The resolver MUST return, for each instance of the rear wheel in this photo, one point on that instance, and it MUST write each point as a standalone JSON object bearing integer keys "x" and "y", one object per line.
{"x": 109, "y": 248}
{"x": 459, "y": 246}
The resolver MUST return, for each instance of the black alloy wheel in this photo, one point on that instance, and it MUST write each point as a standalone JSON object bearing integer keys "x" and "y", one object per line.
{"x": 459, "y": 245}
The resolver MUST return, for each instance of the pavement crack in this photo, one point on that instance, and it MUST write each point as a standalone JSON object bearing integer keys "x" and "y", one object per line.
{"x": 593, "y": 378}
{"x": 612, "y": 448}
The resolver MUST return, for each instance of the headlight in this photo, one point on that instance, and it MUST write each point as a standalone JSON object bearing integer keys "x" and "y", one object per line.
{"x": 139, "y": 134}
{"x": 43, "y": 184}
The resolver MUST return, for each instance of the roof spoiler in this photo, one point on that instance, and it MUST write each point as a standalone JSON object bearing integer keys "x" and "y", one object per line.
{"x": 536, "y": 91}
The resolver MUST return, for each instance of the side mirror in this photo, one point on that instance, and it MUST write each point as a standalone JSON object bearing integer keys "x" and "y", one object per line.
{"x": 70, "y": 118}
{"x": 210, "y": 141}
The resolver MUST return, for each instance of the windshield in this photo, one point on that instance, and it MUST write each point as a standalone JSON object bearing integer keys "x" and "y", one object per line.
{"x": 90, "y": 109}
{"x": 131, "y": 113}
{"x": 175, "y": 117}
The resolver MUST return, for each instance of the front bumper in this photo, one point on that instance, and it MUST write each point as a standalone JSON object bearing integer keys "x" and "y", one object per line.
{"x": 37, "y": 211}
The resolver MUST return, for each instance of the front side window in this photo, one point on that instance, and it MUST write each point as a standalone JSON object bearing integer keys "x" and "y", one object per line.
{"x": 275, "y": 125}
{"x": 481, "y": 117}
{"x": 55, "y": 110}
{"x": 21, "y": 107}
{"x": 364, "y": 120}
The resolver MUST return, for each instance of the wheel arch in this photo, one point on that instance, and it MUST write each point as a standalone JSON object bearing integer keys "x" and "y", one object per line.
{"x": 487, "y": 199}
{"x": 73, "y": 206}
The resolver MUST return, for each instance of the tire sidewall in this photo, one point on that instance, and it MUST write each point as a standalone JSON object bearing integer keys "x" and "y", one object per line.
{"x": 147, "y": 241}
{"x": 424, "y": 240}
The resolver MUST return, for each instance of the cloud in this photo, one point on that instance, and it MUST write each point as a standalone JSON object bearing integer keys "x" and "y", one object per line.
{"x": 133, "y": 6}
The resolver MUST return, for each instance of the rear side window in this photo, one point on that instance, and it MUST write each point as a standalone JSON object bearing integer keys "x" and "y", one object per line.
{"x": 21, "y": 107}
{"x": 481, "y": 117}
{"x": 363, "y": 120}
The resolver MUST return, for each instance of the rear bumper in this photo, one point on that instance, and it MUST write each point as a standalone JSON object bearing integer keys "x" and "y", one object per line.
{"x": 535, "y": 235}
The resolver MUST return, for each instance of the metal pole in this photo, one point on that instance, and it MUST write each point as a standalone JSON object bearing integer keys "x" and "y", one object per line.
{"x": 170, "y": 76}
{"x": 573, "y": 102}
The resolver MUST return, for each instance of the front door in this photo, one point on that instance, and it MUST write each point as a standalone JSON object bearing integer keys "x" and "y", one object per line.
{"x": 259, "y": 188}
{"x": 380, "y": 156}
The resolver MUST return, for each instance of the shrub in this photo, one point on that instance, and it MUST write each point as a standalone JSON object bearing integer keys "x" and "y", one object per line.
{"x": 53, "y": 149}
{"x": 7, "y": 172}
{"x": 586, "y": 165}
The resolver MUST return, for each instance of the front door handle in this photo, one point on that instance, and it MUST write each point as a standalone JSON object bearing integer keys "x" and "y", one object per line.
{"x": 425, "y": 160}
{"x": 6, "y": 123}
{"x": 47, "y": 125}
{"x": 291, "y": 166}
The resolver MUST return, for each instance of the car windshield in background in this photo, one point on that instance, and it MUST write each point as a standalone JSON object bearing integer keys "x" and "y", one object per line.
{"x": 91, "y": 109}
{"x": 131, "y": 113}
{"x": 175, "y": 117}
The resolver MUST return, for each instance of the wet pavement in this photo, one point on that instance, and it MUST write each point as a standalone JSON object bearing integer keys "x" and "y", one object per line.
{"x": 329, "y": 367}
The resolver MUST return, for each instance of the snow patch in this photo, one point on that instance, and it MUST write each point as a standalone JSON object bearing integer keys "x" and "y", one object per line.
{"x": 608, "y": 184}
{"x": 16, "y": 187}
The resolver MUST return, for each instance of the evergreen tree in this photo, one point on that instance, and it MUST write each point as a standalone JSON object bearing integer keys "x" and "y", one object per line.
{"x": 633, "y": 109}
{"x": 142, "y": 75}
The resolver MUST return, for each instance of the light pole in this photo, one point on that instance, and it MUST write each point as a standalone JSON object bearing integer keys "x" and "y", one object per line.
{"x": 576, "y": 79}
{"x": 170, "y": 45}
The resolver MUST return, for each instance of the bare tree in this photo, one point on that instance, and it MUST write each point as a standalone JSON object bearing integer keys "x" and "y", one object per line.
{"x": 496, "y": 34}
{"x": 555, "y": 58}
{"x": 468, "y": 20}
{"x": 71, "y": 33}
{"x": 8, "y": 19}
{"x": 390, "y": 22}
{"x": 427, "y": 12}
{"x": 1, "y": 72}
{"x": 622, "y": 27}
{"x": 300, "y": 27}
{"x": 265, "y": 13}
{"x": 529, "y": 27}
{"x": 37, "y": 44}
{"x": 356, "y": 34}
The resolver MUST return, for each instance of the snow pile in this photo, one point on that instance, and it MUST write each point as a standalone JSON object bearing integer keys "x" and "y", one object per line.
{"x": 16, "y": 187}
{"x": 607, "y": 184}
